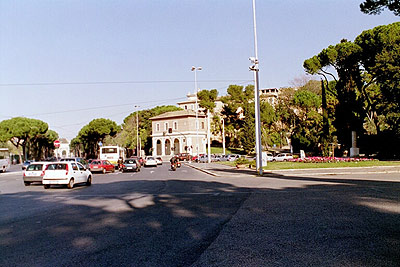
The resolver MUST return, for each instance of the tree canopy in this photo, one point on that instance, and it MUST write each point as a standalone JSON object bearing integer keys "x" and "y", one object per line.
{"x": 377, "y": 6}
{"x": 367, "y": 82}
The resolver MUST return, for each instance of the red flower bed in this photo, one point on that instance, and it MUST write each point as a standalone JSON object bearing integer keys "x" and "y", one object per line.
{"x": 328, "y": 159}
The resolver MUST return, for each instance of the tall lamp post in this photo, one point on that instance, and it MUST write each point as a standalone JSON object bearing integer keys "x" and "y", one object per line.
{"x": 254, "y": 67}
{"x": 223, "y": 136}
{"x": 137, "y": 132}
{"x": 196, "y": 89}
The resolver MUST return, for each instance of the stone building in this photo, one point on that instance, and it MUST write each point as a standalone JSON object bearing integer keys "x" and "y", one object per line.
{"x": 64, "y": 150}
{"x": 175, "y": 132}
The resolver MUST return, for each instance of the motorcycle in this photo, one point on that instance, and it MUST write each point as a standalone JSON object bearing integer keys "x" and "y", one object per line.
{"x": 173, "y": 166}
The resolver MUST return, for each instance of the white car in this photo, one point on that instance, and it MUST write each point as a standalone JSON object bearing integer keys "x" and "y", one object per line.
{"x": 159, "y": 160}
{"x": 150, "y": 161}
{"x": 66, "y": 173}
{"x": 34, "y": 172}
{"x": 283, "y": 157}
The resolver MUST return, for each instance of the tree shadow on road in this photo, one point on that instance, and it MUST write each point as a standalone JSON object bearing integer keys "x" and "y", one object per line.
{"x": 183, "y": 223}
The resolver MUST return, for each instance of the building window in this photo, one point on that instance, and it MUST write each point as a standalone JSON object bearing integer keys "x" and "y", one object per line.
{"x": 175, "y": 125}
{"x": 185, "y": 106}
{"x": 192, "y": 107}
{"x": 157, "y": 127}
{"x": 202, "y": 125}
{"x": 166, "y": 126}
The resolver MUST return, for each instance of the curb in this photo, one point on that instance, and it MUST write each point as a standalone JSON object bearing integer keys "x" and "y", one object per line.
{"x": 202, "y": 170}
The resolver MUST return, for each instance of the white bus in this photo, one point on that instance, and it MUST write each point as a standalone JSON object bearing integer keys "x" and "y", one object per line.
{"x": 112, "y": 154}
{"x": 5, "y": 161}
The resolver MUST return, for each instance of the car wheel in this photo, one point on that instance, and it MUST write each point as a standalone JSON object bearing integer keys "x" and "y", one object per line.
{"x": 89, "y": 181}
{"x": 27, "y": 183}
{"x": 46, "y": 186}
{"x": 113, "y": 170}
{"x": 104, "y": 171}
{"x": 71, "y": 183}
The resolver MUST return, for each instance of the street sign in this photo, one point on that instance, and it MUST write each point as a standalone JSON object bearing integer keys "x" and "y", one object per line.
{"x": 57, "y": 143}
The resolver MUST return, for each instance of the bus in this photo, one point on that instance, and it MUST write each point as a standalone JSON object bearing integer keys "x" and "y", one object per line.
{"x": 112, "y": 154}
{"x": 5, "y": 161}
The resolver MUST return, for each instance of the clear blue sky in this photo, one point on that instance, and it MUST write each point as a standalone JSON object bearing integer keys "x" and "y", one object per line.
{"x": 50, "y": 49}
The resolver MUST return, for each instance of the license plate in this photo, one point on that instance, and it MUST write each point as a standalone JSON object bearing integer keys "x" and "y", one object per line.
{"x": 129, "y": 168}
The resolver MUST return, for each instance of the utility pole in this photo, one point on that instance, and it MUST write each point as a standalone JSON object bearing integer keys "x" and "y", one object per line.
{"x": 223, "y": 136}
{"x": 196, "y": 89}
{"x": 254, "y": 68}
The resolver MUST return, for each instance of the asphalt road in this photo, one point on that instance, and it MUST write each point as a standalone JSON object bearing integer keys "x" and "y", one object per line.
{"x": 159, "y": 217}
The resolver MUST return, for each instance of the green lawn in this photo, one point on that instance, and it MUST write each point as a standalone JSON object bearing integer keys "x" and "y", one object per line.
{"x": 219, "y": 150}
{"x": 302, "y": 165}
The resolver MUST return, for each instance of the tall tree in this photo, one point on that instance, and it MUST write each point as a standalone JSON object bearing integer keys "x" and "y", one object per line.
{"x": 377, "y": 6}
{"x": 94, "y": 132}
{"x": 21, "y": 131}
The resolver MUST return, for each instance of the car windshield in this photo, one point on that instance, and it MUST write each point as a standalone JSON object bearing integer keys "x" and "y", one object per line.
{"x": 34, "y": 167}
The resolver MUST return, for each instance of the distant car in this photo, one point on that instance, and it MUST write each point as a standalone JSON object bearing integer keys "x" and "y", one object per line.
{"x": 223, "y": 158}
{"x": 140, "y": 159}
{"x": 270, "y": 157}
{"x": 159, "y": 160}
{"x": 34, "y": 172}
{"x": 131, "y": 165}
{"x": 232, "y": 157}
{"x": 101, "y": 166}
{"x": 26, "y": 164}
{"x": 77, "y": 159}
{"x": 66, "y": 173}
{"x": 184, "y": 156}
{"x": 150, "y": 161}
{"x": 283, "y": 157}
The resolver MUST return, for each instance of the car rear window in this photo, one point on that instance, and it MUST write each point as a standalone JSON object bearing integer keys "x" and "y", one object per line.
{"x": 58, "y": 166}
{"x": 95, "y": 162}
{"x": 129, "y": 161}
{"x": 34, "y": 167}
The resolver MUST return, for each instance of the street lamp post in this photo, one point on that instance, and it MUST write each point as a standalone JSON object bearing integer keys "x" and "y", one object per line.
{"x": 196, "y": 89}
{"x": 254, "y": 67}
{"x": 223, "y": 136}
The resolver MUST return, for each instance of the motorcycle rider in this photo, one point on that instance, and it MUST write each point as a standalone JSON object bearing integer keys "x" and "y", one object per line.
{"x": 174, "y": 162}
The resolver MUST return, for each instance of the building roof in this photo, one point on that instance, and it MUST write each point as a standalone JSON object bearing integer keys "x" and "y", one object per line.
{"x": 179, "y": 113}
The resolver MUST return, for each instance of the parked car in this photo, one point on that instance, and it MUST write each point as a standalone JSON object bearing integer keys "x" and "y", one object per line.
{"x": 283, "y": 157}
{"x": 77, "y": 159}
{"x": 204, "y": 158}
{"x": 26, "y": 164}
{"x": 150, "y": 161}
{"x": 223, "y": 158}
{"x": 270, "y": 157}
{"x": 34, "y": 172}
{"x": 159, "y": 160}
{"x": 233, "y": 157}
{"x": 101, "y": 166}
{"x": 131, "y": 165}
{"x": 184, "y": 156}
{"x": 66, "y": 173}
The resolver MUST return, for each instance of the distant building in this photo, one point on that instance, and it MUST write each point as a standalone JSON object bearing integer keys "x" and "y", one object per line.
{"x": 64, "y": 150}
{"x": 190, "y": 104}
{"x": 270, "y": 95}
{"x": 175, "y": 132}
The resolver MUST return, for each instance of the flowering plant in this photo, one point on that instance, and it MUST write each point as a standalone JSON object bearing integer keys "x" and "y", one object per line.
{"x": 328, "y": 159}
